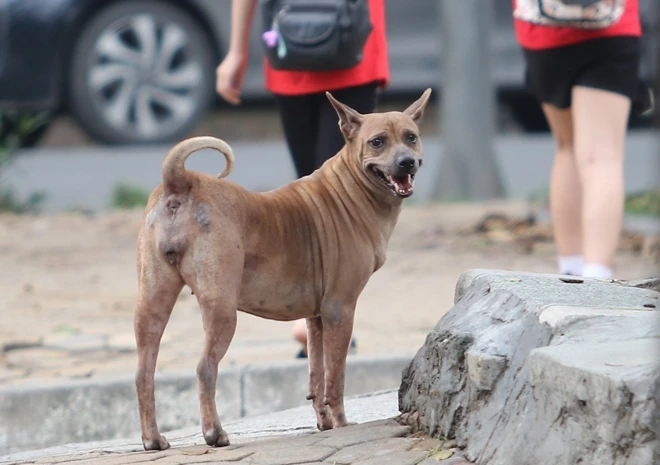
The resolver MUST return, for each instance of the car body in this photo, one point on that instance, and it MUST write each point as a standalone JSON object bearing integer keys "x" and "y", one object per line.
{"x": 50, "y": 52}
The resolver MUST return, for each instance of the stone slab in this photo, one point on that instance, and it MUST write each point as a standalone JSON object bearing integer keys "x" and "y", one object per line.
{"x": 291, "y": 455}
{"x": 374, "y": 433}
{"x": 543, "y": 369}
{"x": 377, "y": 448}
{"x": 394, "y": 458}
{"x": 605, "y": 394}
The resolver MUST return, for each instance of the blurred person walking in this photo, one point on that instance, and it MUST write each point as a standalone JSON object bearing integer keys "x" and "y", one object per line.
{"x": 582, "y": 62}
{"x": 309, "y": 122}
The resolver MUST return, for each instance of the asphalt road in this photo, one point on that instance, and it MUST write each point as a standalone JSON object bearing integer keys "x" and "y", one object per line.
{"x": 85, "y": 177}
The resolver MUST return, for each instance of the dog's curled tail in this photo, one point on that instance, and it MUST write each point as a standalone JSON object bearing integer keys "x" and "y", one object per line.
{"x": 175, "y": 179}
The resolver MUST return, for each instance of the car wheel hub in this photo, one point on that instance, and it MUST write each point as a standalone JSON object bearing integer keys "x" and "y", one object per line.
{"x": 144, "y": 78}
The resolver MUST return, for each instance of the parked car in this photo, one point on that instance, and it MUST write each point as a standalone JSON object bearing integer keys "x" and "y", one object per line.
{"x": 143, "y": 71}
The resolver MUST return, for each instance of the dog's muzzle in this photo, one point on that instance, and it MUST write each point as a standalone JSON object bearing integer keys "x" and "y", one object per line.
{"x": 399, "y": 177}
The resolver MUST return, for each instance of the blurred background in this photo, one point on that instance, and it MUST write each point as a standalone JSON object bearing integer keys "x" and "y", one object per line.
{"x": 80, "y": 151}
{"x": 96, "y": 89}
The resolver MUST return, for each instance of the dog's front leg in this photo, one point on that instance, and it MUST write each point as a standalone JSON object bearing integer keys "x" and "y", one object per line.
{"x": 316, "y": 372}
{"x": 337, "y": 331}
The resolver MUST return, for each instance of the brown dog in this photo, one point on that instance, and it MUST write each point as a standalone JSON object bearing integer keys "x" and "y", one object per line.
{"x": 305, "y": 250}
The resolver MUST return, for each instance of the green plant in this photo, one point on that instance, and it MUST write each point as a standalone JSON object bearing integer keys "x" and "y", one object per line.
{"x": 540, "y": 196}
{"x": 643, "y": 203}
{"x": 638, "y": 203}
{"x": 15, "y": 129}
{"x": 10, "y": 204}
{"x": 126, "y": 196}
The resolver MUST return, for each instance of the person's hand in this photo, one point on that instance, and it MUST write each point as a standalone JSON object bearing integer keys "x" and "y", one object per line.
{"x": 229, "y": 77}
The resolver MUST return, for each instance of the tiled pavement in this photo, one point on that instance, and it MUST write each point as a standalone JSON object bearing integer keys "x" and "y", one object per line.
{"x": 380, "y": 442}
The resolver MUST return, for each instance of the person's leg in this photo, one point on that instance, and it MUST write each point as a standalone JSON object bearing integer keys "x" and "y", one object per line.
{"x": 300, "y": 336}
{"x": 600, "y": 121}
{"x": 299, "y": 119}
{"x": 565, "y": 192}
{"x": 330, "y": 139}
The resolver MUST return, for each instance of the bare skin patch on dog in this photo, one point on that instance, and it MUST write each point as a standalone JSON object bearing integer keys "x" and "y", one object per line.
{"x": 173, "y": 250}
{"x": 171, "y": 256}
{"x": 333, "y": 314}
{"x": 149, "y": 220}
{"x": 203, "y": 216}
{"x": 253, "y": 261}
{"x": 173, "y": 205}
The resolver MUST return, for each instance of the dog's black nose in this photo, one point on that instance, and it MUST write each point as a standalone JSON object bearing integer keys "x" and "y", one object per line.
{"x": 407, "y": 163}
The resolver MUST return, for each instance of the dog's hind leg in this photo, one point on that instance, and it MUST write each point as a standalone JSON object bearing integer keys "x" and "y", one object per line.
{"x": 337, "y": 331}
{"x": 219, "y": 316}
{"x": 316, "y": 372}
{"x": 215, "y": 280}
{"x": 159, "y": 287}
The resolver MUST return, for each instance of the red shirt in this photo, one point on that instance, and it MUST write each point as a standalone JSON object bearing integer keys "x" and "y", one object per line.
{"x": 534, "y": 37}
{"x": 374, "y": 66}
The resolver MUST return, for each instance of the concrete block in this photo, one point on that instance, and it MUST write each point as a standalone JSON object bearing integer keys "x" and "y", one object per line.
{"x": 279, "y": 386}
{"x": 97, "y": 409}
{"x": 100, "y": 409}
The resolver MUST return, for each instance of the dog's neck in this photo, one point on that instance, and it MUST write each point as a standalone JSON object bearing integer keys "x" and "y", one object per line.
{"x": 346, "y": 182}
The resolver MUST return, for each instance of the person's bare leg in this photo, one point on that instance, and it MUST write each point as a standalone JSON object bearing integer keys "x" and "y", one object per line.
{"x": 565, "y": 192}
{"x": 600, "y": 121}
{"x": 300, "y": 333}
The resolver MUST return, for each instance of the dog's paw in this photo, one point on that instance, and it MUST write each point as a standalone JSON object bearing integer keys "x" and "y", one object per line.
{"x": 325, "y": 425}
{"x": 216, "y": 437}
{"x": 339, "y": 420}
{"x": 323, "y": 420}
{"x": 159, "y": 443}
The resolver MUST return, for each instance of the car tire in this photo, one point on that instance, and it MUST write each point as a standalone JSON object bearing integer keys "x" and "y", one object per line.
{"x": 141, "y": 72}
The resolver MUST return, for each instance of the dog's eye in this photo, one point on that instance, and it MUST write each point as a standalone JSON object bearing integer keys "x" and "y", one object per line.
{"x": 412, "y": 138}
{"x": 377, "y": 142}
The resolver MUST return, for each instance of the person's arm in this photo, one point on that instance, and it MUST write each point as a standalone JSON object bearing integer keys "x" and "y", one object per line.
{"x": 242, "y": 12}
{"x": 231, "y": 71}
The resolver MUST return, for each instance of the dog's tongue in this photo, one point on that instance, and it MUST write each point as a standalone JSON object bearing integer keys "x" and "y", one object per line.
{"x": 402, "y": 184}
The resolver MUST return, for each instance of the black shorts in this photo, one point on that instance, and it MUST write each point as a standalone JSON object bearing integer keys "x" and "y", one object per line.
{"x": 610, "y": 63}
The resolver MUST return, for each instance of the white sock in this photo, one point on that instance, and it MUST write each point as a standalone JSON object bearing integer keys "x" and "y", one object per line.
{"x": 571, "y": 264}
{"x": 596, "y": 270}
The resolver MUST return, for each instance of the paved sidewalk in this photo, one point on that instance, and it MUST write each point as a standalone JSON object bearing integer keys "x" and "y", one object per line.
{"x": 283, "y": 438}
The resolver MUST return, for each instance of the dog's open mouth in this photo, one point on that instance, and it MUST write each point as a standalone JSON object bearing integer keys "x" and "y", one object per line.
{"x": 401, "y": 186}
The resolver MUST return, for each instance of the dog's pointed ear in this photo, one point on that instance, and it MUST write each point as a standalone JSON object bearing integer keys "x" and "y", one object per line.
{"x": 416, "y": 110}
{"x": 349, "y": 119}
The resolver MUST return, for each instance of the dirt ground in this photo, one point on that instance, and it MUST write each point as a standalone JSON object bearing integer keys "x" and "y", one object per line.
{"x": 68, "y": 290}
